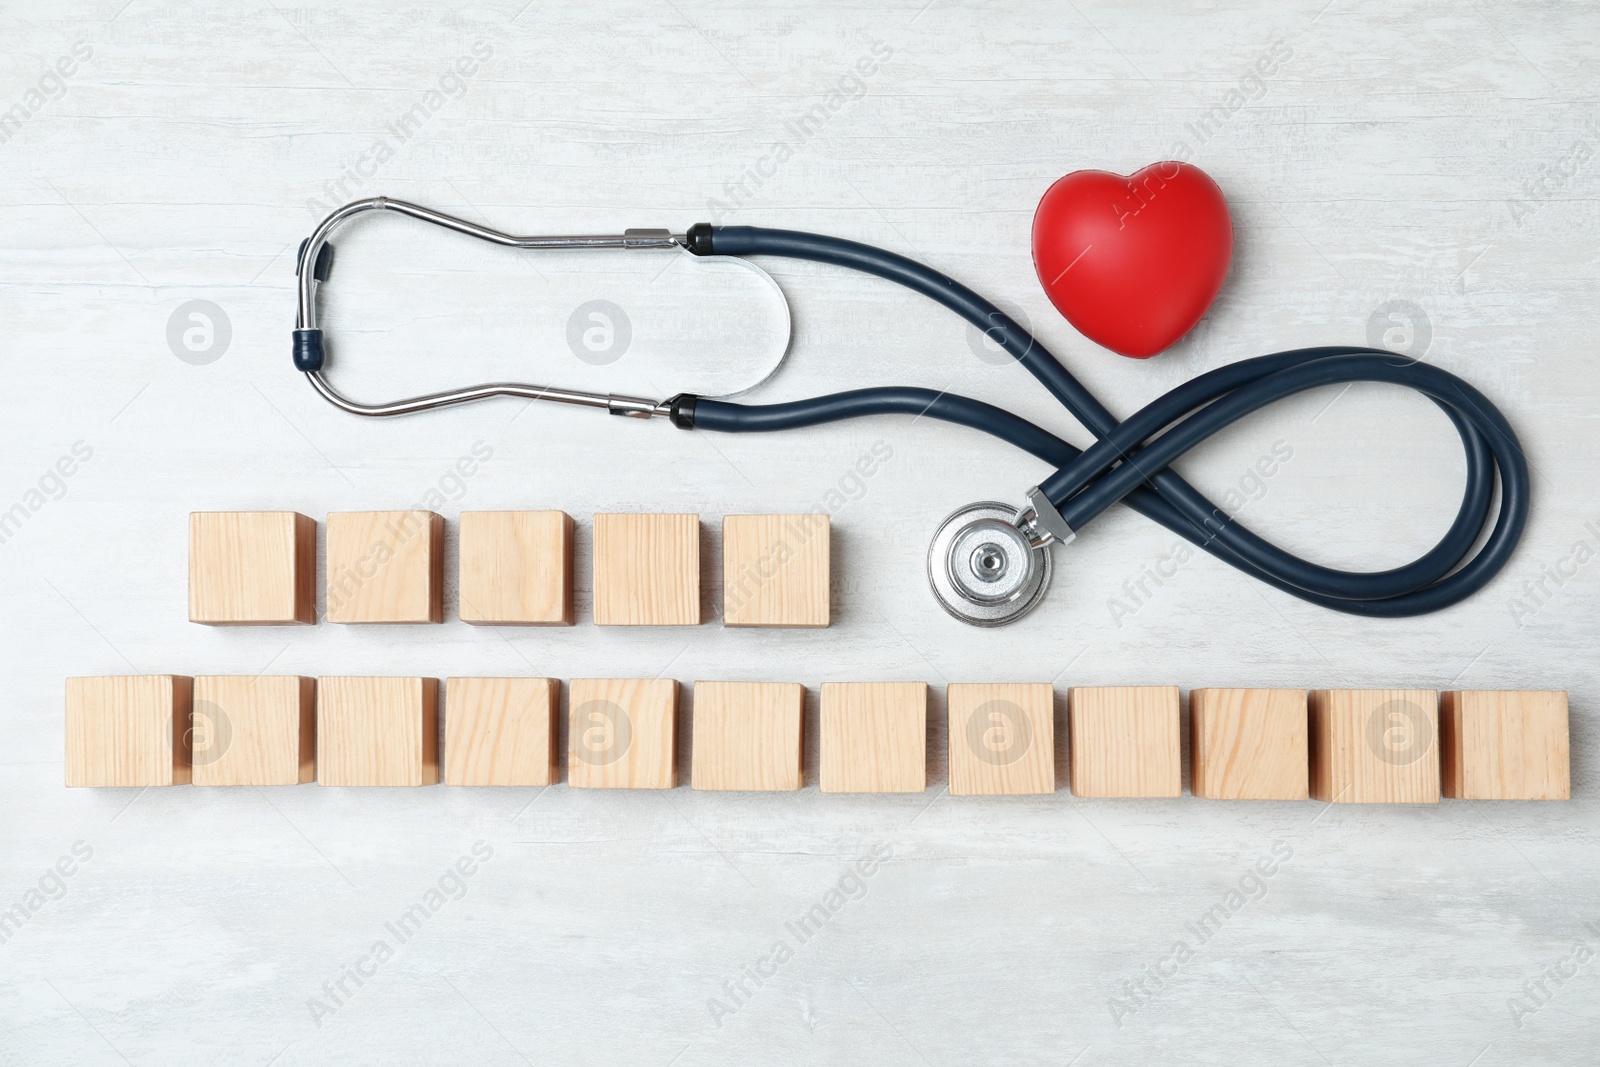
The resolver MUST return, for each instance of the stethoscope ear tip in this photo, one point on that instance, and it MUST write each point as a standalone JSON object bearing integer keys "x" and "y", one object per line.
{"x": 984, "y": 569}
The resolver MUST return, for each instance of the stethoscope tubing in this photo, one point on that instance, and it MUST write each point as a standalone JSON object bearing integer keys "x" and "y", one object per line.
{"x": 1130, "y": 461}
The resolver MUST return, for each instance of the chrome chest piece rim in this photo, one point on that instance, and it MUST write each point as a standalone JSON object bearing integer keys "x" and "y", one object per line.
{"x": 983, "y": 569}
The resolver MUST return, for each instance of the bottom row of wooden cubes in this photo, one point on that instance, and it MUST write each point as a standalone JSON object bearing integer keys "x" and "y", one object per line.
{"x": 1345, "y": 746}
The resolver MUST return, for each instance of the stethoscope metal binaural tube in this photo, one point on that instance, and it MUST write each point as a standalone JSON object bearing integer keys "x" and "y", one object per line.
{"x": 312, "y": 268}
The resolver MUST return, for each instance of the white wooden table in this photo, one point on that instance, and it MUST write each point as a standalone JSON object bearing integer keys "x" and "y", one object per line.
{"x": 1438, "y": 155}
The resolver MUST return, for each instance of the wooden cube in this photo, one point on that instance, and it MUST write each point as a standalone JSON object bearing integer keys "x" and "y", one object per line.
{"x": 622, "y": 733}
{"x": 647, "y": 570}
{"x": 385, "y": 566}
{"x": 747, "y": 735}
{"x": 1124, "y": 741}
{"x": 252, "y": 567}
{"x": 253, "y": 730}
{"x": 775, "y": 570}
{"x": 1375, "y": 746}
{"x": 377, "y": 731}
{"x": 516, "y": 567}
{"x": 500, "y": 731}
{"x": 1248, "y": 744}
{"x": 1505, "y": 745}
{"x": 1002, "y": 738}
{"x": 128, "y": 730}
{"x": 874, "y": 737}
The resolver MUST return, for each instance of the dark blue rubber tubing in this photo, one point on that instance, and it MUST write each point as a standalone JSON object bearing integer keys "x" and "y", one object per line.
{"x": 1129, "y": 461}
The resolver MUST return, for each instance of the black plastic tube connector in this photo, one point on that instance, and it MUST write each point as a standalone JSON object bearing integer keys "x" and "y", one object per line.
{"x": 681, "y": 409}
{"x": 698, "y": 239}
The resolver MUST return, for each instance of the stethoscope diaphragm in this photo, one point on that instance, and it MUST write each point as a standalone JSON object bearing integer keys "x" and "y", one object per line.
{"x": 984, "y": 570}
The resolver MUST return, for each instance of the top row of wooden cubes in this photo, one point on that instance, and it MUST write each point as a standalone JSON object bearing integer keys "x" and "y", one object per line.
{"x": 252, "y": 567}
{"x": 257, "y": 568}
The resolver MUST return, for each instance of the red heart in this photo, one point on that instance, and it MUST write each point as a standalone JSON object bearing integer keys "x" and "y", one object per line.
{"x": 1133, "y": 262}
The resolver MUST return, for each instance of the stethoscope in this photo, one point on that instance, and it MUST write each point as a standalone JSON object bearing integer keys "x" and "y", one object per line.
{"x": 990, "y": 563}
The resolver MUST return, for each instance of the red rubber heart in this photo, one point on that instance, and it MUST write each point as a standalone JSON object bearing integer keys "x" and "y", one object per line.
{"x": 1133, "y": 262}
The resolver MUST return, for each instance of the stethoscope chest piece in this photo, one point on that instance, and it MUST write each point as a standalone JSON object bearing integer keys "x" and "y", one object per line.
{"x": 984, "y": 570}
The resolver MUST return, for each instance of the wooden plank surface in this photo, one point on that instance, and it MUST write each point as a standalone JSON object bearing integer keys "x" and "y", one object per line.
{"x": 1421, "y": 176}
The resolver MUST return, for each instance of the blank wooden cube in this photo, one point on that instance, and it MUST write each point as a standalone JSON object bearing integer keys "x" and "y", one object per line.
{"x": 1505, "y": 745}
{"x": 775, "y": 570}
{"x": 622, "y": 733}
{"x": 1124, "y": 741}
{"x": 128, "y": 730}
{"x": 1375, "y": 746}
{"x": 253, "y": 730}
{"x": 516, "y": 567}
{"x": 377, "y": 731}
{"x": 1249, "y": 744}
{"x": 385, "y": 566}
{"x": 252, "y": 567}
{"x": 499, "y": 731}
{"x": 1002, "y": 738}
{"x": 747, "y": 735}
{"x": 647, "y": 570}
{"x": 874, "y": 737}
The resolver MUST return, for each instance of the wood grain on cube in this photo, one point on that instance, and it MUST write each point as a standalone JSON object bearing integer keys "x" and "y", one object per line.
{"x": 1374, "y": 746}
{"x": 516, "y": 567}
{"x": 874, "y": 737}
{"x": 130, "y": 730}
{"x": 377, "y": 731}
{"x": 646, "y": 570}
{"x": 1123, "y": 741}
{"x": 1505, "y": 745}
{"x": 499, "y": 731}
{"x": 747, "y": 735}
{"x": 775, "y": 570}
{"x": 252, "y": 568}
{"x": 253, "y": 730}
{"x": 385, "y": 566}
{"x": 622, "y": 733}
{"x": 1249, "y": 744}
{"x": 1002, "y": 738}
